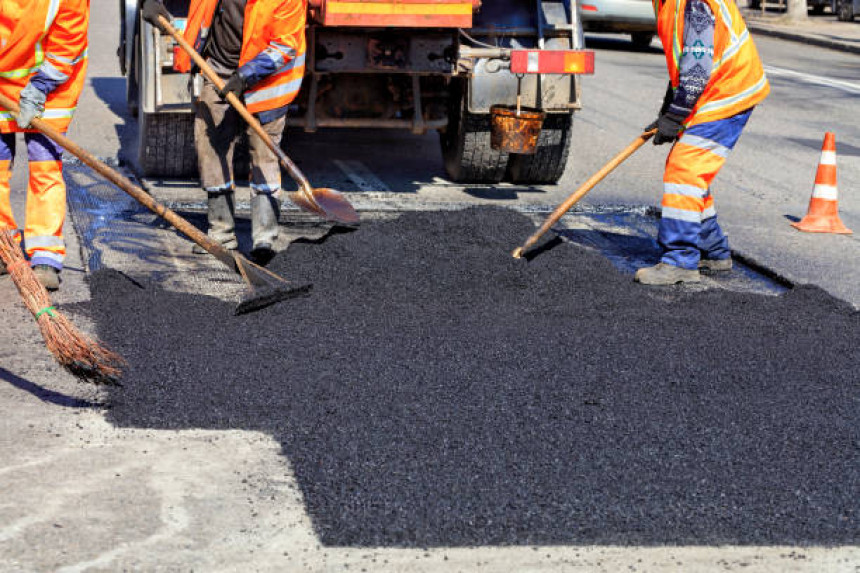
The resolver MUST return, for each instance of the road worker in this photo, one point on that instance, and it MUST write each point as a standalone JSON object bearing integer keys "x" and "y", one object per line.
{"x": 43, "y": 61}
{"x": 258, "y": 48}
{"x": 716, "y": 78}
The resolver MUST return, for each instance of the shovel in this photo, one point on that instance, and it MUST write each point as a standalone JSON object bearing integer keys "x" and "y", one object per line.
{"x": 266, "y": 287}
{"x": 574, "y": 197}
{"x": 327, "y": 203}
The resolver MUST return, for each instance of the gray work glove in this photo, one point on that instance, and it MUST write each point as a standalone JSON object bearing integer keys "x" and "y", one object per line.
{"x": 30, "y": 105}
{"x": 150, "y": 10}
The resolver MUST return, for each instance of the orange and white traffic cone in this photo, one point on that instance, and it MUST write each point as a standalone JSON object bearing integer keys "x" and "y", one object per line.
{"x": 823, "y": 213}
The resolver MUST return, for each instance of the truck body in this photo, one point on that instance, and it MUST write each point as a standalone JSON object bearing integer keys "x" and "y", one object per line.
{"x": 417, "y": 65}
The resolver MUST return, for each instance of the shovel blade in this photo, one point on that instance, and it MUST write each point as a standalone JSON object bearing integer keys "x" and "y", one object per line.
{"x": 336, "y": 206}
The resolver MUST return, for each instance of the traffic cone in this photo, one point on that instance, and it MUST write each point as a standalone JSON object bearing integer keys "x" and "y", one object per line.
{"x": 823, "y": 213}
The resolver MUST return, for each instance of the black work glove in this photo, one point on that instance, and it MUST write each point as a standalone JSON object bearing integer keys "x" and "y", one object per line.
{"x": 668, "y": 127}
{"x": 235, "y": 84}
{"x": 667, "y": 99}
{"x": 152, "y": 9}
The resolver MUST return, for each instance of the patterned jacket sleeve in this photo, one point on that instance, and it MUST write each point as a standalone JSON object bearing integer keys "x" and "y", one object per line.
{"x": 288, "y": 24}
{"x": 64, "y": 45}
{"x": 697, "y": 58}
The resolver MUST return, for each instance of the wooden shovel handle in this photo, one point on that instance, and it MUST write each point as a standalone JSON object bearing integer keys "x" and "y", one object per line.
{"x": 123, "y": 183}
{"x": 574, "y": 197}
{"x": 231, "y": 98}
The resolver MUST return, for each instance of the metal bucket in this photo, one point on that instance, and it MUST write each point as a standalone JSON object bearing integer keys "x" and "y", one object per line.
{"x": 515, "y": 133}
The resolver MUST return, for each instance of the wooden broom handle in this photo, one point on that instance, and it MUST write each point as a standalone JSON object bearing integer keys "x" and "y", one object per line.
{"x": 574, "y": 197}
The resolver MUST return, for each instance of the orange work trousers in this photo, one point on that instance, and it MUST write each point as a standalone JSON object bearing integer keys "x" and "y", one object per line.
{"x": 46, "y": 198}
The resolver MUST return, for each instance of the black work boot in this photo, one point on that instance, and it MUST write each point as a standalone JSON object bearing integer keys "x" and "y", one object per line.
{"x": 265, "y": 210}
{"x": 222, "y": 226}
{"x": 48, "y": 276}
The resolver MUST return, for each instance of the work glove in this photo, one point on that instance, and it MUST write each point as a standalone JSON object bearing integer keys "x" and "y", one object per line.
{"x": 235, "y": 84}
{"x": 30, "y": 105}
{"x": 152, "y": 9}
{"x": 668, "y": 127}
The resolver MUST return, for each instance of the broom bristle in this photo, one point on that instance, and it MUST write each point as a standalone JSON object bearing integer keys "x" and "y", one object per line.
{"x": 84, "y": 357}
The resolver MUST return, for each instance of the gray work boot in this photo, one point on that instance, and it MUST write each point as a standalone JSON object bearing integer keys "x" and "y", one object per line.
{"x": 48, "y": 276}
{"x": 222, "y": 227}
{"x": 715, "y": 265}
{"x": 666, "y": 274}
{"x": 265, "y": 210}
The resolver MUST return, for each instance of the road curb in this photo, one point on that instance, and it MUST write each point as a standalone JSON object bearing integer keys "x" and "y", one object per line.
{"x": 781, "y": 33}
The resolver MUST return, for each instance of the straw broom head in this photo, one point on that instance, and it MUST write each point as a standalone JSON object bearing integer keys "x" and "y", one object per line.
{"x": 84, "y": 357}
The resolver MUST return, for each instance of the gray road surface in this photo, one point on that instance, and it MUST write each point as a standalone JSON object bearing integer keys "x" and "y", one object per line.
{"x": 82, "y": 495}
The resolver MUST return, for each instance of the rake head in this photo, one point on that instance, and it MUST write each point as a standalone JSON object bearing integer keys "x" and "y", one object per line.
{"x": 265, "y": 287}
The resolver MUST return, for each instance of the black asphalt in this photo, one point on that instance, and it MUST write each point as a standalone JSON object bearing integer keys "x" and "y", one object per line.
{"x": 433, "y": 391}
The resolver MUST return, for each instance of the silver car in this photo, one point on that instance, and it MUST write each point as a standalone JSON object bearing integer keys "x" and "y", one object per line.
{"x": 634, "y": 17}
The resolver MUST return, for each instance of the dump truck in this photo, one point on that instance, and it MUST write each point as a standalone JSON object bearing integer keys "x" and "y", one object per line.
{"x": 416, "y": 65}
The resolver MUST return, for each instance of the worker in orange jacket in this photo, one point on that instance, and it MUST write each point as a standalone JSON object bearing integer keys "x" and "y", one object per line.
{"x": 258, "y": 48}
{"x": 43, "y": 61}
{"x": 716, "y": 78}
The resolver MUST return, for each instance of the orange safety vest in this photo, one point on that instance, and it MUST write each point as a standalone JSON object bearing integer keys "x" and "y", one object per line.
{"x": 272, "y": 24}
{"x": 737, "y": 80}
{"x": 49, "y": 33}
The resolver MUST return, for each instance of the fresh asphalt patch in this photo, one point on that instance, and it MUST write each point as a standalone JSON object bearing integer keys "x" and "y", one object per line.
{"x": 434, "y": 391}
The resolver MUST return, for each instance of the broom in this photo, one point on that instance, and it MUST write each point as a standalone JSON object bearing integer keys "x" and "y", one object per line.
{"x": 76, "y": 352}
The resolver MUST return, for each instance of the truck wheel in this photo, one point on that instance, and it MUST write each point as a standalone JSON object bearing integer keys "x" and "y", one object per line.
{"x": 547, "y": 165}
{"x": 641, "y": 40}
{"x": 846, "y": 11}
{"x": 166, "y": 144}
{"x": 132, "y": 87}
{"x": 466, "y": 145}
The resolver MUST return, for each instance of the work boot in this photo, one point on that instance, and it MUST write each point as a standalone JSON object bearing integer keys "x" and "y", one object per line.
{"x": 48, "y": 276}
{"x": 265, "y": 210}
{"x": 222, "y": 227}
{"x": 715, "y": 265}
{"x": 3, "y": 270}
{"x": 666, "y": 274}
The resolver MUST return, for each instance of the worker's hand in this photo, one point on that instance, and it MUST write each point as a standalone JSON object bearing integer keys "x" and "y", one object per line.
{"x": 30, "y": 105}
{"x": 152, "y": 9}
{"x": 235, "y": 85}
{"x": 668, "y": 126}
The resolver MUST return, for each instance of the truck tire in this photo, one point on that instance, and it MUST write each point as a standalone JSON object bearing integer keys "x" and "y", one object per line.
{"x": 845, "y": 11}
{"x": 466, "y": 149}
{"x": 166, "y": 144}
{"x": 547, "y": 165}
{"x": 641, "y": 40}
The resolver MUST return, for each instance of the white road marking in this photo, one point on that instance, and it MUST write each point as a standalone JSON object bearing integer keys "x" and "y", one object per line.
{"x": 363, "y": 177}
{"x": 813, "y": 79}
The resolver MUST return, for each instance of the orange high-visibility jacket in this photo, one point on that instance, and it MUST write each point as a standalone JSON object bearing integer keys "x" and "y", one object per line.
{"x": 43, "y": 34}
{"x": 737, "y": 79}
{"x": 277, "y": 25}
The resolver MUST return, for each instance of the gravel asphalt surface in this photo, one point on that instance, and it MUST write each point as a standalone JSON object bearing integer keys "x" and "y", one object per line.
{"x": 433, "y": 391}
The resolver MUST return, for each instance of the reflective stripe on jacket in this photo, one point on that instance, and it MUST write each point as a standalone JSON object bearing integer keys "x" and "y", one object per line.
{"x": 276, "y": 27}
{"x": 737, "y": 80}
{"x": 48, "y": 36}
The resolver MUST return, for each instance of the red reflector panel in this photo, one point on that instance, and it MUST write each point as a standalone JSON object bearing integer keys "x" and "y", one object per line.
{"x": 552, "y": 62}
{"x": 588, "y": 7}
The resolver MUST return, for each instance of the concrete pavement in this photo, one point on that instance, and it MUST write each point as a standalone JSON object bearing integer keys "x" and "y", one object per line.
{"x": 80, "y": 494}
